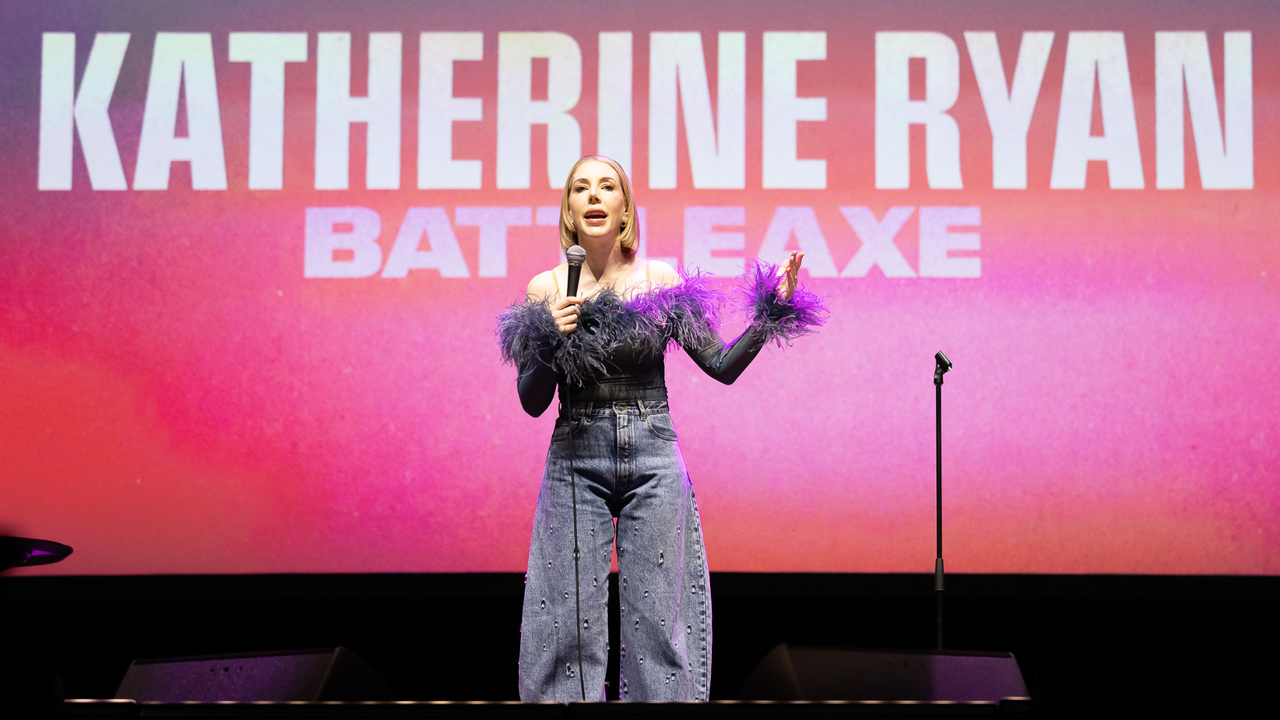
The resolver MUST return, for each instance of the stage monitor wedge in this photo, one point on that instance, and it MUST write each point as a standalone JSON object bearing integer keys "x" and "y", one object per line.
{"x": 281, "y": 676}
{"x": 807, "y": 673}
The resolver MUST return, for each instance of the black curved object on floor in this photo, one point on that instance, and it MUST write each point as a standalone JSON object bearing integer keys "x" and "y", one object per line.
{"x": 18, "y": 551}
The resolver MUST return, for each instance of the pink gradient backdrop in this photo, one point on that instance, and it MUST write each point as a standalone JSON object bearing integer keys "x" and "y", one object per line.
{"x": 177, "y": 398}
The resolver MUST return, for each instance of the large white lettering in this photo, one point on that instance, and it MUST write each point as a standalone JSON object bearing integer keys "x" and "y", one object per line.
{"x": 342, "y": 242}
{"x": 336, "y": 109}
{"x": 324, "y": 239}
{"x": 518, "y": 112}
{"x": 438, "y": 110}
{"x": 803, "y": 223}
{"x": 717, "y": 156}
{"x": 937, "y": 241}
{"x": 1096, "y": 56}
{"x": 444, "y": 255}
{"x": 266, "y": 54}
{"x": 780, "y": 164}
{"x": 877, "y": 242}
{"x": 701, "y": 239}
{"x": 1226, "y": 163}
{"x": 181, "y": 64}
{"x": 182, "y": 90}
{"x": 613, "y": 98}
{"x": 1009, "y": 107}
{"x": 493, "y": 223}
{"x": 63, "y": 111}
{"x": 896, "y": 112}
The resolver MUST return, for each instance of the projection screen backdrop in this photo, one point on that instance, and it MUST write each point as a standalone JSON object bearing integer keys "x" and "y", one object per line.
{"x": 251, "y": 254}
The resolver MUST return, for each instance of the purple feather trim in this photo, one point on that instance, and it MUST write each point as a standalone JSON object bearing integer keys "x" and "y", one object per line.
{"x": 687, "y": 313}
{"x": 527, "y": 334}
{"x": 778, "y": 320}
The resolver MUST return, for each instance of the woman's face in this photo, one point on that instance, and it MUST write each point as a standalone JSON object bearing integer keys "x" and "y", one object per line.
{"x": 596, "y": 202}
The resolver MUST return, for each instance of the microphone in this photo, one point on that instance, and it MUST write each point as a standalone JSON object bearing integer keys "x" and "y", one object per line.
{"x": 576, "y": 255}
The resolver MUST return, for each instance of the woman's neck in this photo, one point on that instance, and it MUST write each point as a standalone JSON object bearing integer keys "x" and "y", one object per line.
{"x": 605, "y": 259}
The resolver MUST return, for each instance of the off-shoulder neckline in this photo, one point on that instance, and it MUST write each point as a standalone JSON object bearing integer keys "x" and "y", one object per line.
{"x": 631, "y": 294}
{"x": 636, "y": 297}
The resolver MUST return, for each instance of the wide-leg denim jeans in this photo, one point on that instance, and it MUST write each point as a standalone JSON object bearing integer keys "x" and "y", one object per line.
{"x": 628, "y": 466}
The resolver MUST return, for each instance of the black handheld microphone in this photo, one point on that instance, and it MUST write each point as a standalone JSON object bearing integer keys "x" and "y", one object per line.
{"x": 575, "y": 255}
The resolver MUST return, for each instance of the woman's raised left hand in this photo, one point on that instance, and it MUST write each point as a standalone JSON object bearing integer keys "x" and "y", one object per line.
{"x": 790, "y": 275}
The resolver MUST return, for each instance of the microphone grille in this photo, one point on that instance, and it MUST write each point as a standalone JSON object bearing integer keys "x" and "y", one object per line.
{"x": 576, "y": 255}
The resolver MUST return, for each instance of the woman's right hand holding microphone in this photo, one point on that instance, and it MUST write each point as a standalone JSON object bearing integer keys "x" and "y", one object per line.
{"x": 565, "y": 312}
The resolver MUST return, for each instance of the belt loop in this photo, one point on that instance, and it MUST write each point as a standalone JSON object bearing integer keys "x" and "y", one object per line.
{"x": 640, "y": 404}
{"x": 586, "y": 419}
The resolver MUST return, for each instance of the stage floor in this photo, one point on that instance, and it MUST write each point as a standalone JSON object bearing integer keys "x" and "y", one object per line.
{"x": 756, "y": 710}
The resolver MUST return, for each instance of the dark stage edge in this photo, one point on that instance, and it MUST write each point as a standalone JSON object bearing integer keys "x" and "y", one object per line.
{"x": 1006, "y": 708}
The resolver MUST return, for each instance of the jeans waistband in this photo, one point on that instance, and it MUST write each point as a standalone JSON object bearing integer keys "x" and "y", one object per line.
{"x": 604, "y": 393}
{"x": 597, "y": 407}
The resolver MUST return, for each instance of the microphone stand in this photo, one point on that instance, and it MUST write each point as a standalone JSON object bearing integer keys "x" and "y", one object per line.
{"x": 575, "y": 256}
{"x": 941, "y": 365}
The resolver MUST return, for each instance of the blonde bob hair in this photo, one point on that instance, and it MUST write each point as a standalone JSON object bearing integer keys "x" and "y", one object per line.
{"x": 628, "y": 236}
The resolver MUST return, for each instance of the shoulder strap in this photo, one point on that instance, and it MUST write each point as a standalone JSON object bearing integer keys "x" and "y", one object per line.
{"x": 556, "y": 280}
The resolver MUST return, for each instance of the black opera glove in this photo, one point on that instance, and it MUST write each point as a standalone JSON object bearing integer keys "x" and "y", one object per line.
{"x": 725, "y": 363}
{"x": 537, "y": 387}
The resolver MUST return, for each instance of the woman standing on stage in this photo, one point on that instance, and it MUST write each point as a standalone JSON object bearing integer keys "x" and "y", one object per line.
{"x": 604, "y": 350}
